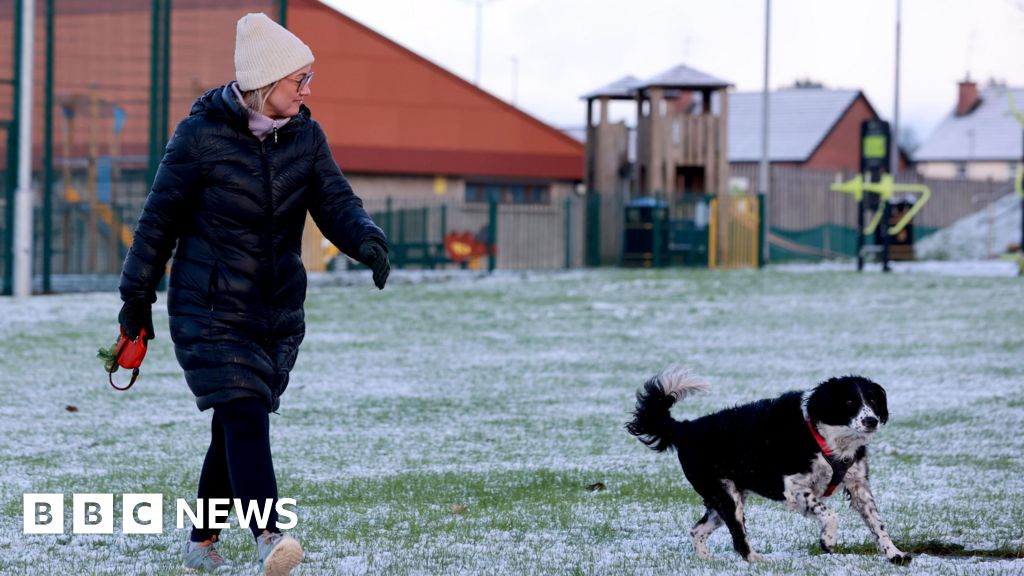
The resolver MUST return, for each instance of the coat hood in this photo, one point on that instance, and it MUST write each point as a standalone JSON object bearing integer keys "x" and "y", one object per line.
{"x": 220, "y": 103}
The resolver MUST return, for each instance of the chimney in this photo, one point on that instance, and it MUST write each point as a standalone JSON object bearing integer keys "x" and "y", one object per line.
{"x": 968, "y": 99}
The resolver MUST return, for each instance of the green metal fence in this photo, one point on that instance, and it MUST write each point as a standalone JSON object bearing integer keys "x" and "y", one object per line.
{"x": 107, "y": 96}
{"x": 420, "y": 233}
{"x": 416, "y": 234}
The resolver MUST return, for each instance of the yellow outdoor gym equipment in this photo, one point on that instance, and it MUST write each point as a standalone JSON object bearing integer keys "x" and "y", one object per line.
{"x": 885, "y": 189}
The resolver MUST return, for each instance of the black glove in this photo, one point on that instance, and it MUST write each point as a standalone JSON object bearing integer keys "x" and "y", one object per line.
{"x": 374, "y": 253}
{"x": 136, "y": 316}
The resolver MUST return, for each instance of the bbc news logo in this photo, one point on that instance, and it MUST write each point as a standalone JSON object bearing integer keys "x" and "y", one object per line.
{"x": 144, "y": 513}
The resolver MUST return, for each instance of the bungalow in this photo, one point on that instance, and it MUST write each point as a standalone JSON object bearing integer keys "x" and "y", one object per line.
{"x": 982, "y": 138}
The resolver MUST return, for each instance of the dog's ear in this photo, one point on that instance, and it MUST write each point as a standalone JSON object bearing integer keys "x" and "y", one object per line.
{"x": 877, "y": 393}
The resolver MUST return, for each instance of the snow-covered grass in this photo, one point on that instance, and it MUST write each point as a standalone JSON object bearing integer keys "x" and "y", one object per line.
{"x": 460, "y": 426}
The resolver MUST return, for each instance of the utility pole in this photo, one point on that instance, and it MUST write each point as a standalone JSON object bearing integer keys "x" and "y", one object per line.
{"x": 515, "y": 79}
{"x": 23, "y": 196}
{"x": 763, "y": 173}
{"x": 479, "y": 40}
{"x": 479, "y": 5}
{"x": 894, "y": 155}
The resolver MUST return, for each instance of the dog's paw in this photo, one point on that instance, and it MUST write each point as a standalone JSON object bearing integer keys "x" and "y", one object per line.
{"x": 901, "y": 559}
{"x": 701, "y": 548}
{"x": 754, "y": 557}
{"x": 825, "y": 547}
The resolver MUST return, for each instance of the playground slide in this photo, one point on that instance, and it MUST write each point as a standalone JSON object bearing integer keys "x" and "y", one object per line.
{"x": 105, "y": 213}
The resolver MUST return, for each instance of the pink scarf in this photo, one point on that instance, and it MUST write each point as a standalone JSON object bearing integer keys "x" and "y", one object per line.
{"x": 259, "y": 124}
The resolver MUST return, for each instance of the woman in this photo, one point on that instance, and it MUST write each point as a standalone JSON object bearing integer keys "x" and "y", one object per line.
{"x": 232, "y": 191}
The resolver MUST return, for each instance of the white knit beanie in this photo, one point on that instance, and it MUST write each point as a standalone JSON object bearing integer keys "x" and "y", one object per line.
{"x": 265, "y": 52}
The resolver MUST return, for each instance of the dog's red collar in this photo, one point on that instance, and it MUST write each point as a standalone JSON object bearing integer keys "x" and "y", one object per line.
{"x": 817, "y": 438}
{"x": 839, "y": 466}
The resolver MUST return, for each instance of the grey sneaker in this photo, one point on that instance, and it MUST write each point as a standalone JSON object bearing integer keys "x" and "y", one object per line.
{"x": 279, "y": 554}
{"x": 203, "y": 556}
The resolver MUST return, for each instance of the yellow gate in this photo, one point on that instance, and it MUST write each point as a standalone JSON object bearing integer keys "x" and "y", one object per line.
{"x": 735, "y": 232}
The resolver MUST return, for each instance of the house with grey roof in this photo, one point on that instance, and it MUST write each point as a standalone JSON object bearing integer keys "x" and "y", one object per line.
{"x": 809, "y": 127}
{"x": 982, "y": 138}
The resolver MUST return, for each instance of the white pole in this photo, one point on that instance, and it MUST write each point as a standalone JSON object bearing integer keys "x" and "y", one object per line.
{"x": 763, "y": 172}
{"x": 894, "y": 149}
{"x": 515, "y": 79}
{"x": 23, "y": 194}
{"x": 479, "y": 40}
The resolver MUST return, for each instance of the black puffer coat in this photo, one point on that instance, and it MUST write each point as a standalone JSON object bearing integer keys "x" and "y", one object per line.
{"x": 236, "y": 208}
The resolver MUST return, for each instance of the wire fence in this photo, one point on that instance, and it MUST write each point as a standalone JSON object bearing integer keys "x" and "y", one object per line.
{"x": 110, "y": 78}
{"x": 808, "y": 220}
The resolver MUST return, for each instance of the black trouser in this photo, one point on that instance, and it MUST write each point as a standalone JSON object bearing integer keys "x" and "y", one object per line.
{"x": 238, "y": 463}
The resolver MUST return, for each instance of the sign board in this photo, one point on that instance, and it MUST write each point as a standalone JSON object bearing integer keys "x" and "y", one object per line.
{"x": 874, "y": 150}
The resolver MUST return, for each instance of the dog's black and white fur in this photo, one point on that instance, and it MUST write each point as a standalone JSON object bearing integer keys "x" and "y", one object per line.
{"x": 767, "y": 447}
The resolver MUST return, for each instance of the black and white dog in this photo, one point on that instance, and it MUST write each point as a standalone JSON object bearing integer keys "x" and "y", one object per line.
{"x": 796, "y": 448}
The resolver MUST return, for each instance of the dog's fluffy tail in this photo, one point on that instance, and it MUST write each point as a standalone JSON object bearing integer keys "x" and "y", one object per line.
{"x": 652, "y": 423}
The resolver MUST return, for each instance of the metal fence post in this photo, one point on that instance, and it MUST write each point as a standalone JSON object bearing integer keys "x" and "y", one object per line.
{"x": 656, "y": 213}
{"x": 159, "y": 89}
{"x": 762, "y": 232}
{"x": 593, "y": 229}
{"x": 400, "y": 244}
{"x": 12, "y": 157}
{"x": 48, "y": 153}
{"x": 8, "y": 233}
{"x": 568, "y": 232}
{"x": 492, "y": 233}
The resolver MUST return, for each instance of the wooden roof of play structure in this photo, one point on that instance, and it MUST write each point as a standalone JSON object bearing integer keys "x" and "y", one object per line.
{"x": 680, "y": 77}
{"x": 621, "y": 89}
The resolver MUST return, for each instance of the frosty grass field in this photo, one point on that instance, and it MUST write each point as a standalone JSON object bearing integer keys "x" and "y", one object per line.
{"x": 464, "y": 425}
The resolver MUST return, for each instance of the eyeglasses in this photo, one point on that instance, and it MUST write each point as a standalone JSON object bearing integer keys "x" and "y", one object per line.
{"x": 306, "y": 79}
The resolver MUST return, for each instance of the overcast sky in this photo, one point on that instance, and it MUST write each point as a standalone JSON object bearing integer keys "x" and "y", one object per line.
{"x": 544, "y": 54}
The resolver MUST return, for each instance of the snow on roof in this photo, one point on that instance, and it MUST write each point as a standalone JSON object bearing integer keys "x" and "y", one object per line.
{"x": 680, "y": 76}
{"x": 619, "y": 89}
{"x": 989, "y": 132}
{"x": 684, "y": 77}
{"x": 800, "y": 119}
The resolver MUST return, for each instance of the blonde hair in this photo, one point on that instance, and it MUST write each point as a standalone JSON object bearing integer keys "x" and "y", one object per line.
{"x": 256, "y": 99}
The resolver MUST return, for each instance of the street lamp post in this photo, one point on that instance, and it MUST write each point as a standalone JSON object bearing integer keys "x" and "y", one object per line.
{"x": 515, "y": 79}
{"x": 479, "y": 40}
{"x": 479, "y": 5}
{"x": 764, "y": 176}
{"x": 894, "y": 151}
